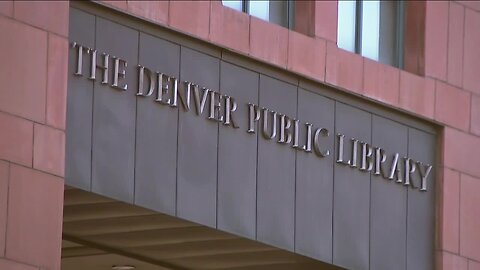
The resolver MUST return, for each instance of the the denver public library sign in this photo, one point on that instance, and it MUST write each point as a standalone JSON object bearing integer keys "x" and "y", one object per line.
{"x": 168, "y": 91}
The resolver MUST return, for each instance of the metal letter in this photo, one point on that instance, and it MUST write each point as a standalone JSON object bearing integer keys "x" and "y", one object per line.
{"x": 353, "y": 161}
{"x": 253, "y": 116}
{"x": 285, "y": 135}
{"x": 265, "y": 124}
{"x": 200, "y": 103}
{"x": 78, "y": 72}
{"x": 340, "y": 160}
{"x": 380, "y": 158}
{"x": 395, "y": 169}
{"x": 308, "y": 142}
{"x": 141, "y": 76}
{"x": 117, "y": 73}
{"x": 215, "y": 106}
{"x": 162, "y": 88}
{"x": 316, "y": 144}
{"x": 93, "y": 64}
{"x": 367, "y": 157}
{"x": 409, "y": 170}
{"x": 173, "y": 100}
{"x": 424, "y": 170}
{"x": 230, "y": 107}
{"x": 295, "y": 134}
{"x": 104, "y": 68}
{"x": 185, "y": 97}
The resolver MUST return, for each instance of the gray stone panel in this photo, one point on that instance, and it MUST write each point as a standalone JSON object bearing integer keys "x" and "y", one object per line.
{"x": 276, "y": 171}
{"x": 388, "y": 204}
{"x": 197, "y": 147}
{"x": 421, "y": 205}
{"x": 314, "y": 184}
{"x": 156, "y": 132}
{"x": 237, "y": 162}
{"x": 79, "y": 105}
{"x": 140, "y": 151}
{"x": 114, "y": 116}
{"x": 351, "y": 206}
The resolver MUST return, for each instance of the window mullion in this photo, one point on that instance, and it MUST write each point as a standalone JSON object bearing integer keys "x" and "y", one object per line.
{"x": 245, "y": 6}
{"x": 400, "y": 34}
{"x": 358, "y": 26}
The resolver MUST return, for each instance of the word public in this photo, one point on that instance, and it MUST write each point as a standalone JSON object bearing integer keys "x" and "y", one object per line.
{"x": 169, "y": 91}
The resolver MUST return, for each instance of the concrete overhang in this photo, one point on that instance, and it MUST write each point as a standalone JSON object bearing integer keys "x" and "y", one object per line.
{"x": 100, "y": 233}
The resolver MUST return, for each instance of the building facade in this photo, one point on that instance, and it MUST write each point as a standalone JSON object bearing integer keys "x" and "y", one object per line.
{"x": 428, "y": 112}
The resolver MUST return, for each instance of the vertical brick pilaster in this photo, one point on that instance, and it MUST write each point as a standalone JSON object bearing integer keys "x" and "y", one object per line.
{"x": 33, "y": 72}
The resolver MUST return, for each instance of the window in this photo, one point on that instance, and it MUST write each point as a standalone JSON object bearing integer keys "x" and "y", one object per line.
{"x": 279, "y": 12}
{"x": 373, "y": 29}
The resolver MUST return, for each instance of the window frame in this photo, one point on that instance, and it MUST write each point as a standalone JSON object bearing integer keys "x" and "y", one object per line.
{"x": 290, "y": 12}
{"x": 398, "y": 53}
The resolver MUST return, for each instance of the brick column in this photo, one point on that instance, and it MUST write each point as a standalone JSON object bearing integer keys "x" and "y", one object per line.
{"x": 33, "y": 77}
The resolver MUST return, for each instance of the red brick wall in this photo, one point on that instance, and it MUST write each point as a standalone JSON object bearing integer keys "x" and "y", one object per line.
{"x": 448, "y": 54}
{"x": 33, "y": 76}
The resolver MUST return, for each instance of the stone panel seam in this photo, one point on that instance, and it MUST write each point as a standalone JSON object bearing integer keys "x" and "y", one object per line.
{"x": 463, "y": 41}
{"x": 55, "y": 35}
{"x": 218, "y": 135}
{"x": 457, "y": 254}
{"x": 471, "y": 260}
{"x": 325, "y": 61}
{"x": 406, "y": 202}
{"x": 362, "y": 91}
{"x": 13, "y": 11}
{"x": 168, "y": 13}
{"x": 363, "y": 80}
{"x": 448, "y": 41}
{"x": 467, "y": 7}
{"x": 22, "y": 263}
{"x": 207, "y": 38}
{"x": 470, "y": 114}
{"x": 29, "y": 24}
{"x": 448, "y": 45}
{"x": 288, "y": 54}
{"x": 33, "y": 151}
{"x": 256, "y": 167}
{"x": 178, "y": 131}
{"x": 93, "y": 109}
{"x": 438, "y": 201}
{"x": 136, "y": 15}
{"x": 295, "y": 184}
{"x": 460, "y": 130}
{"x": 460, "y": 172}
{"x": 472, "y": 95}
{"x": 168, "y": 23}
{"x": 250, "y": 37}
{"x": 450, "y": 84}
{"x": 29, "y": 120}
{"x": 33, "y": 169}
{"x": 459, "y": 212}
{"x": 46, "y": 81}
{"x": 33, "y": 145}
{"x": 431, "y": 77}
{"x": 333, "y": 177}
{"x": 370, "y": 189}
{"x": 7, "y": 212}
{"x": 136, "y": 121}
{"x": 434, "y": 116}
